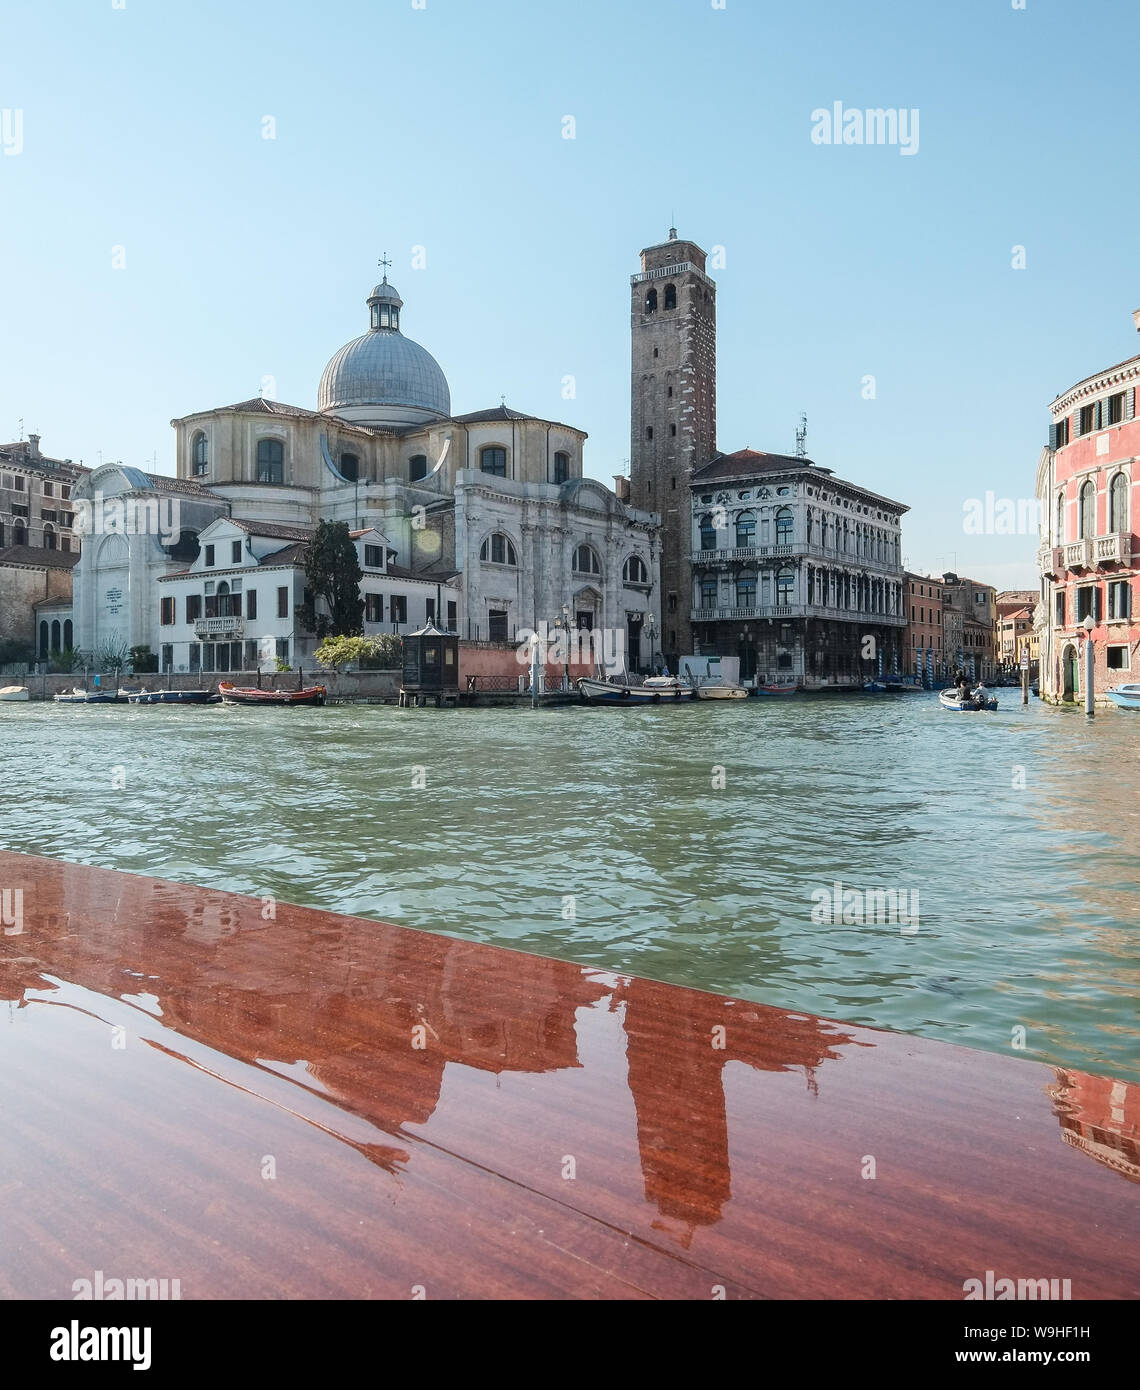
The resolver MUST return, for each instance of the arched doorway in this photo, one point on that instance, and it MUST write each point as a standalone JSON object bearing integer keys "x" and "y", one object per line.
{"x": 1069, "y": 673}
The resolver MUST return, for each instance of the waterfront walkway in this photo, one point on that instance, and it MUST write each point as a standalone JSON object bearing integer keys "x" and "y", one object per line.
{"x": 317, "y": 1105}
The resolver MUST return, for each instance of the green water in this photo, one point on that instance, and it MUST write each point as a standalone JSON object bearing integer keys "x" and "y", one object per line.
{"x": 603, "y": 836}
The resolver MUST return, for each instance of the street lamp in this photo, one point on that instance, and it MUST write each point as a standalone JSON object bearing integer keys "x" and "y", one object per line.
{"x": 1088, "y": 625}
{"x": 651, "y": 633}
{"x": 562, "y": 627}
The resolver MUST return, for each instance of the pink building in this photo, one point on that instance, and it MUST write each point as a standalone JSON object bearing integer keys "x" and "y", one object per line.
{"x": 1088, "y": 557}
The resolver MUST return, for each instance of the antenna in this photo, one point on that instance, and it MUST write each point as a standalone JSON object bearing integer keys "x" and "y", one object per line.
{"x": 21, "y": 428}
{"x": 801, "y": 438}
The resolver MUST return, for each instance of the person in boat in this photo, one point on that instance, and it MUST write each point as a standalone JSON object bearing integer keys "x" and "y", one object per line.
{"x": 963, "y": 683}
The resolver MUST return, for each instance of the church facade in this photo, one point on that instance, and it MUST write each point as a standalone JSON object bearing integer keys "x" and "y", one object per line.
{"x": 491, "y": 506}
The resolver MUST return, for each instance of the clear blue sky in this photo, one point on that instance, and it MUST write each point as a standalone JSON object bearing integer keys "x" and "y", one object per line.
{"x": 442, "y": 128}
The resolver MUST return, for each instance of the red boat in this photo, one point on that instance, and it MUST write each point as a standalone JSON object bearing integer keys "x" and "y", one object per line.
{"x": 775, "y": 690}
{"x": 251, "y": 695}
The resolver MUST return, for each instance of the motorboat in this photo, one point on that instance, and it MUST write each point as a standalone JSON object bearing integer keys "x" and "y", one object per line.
{"x": 169, "y": 697}
{"x": 253, "y": 696}
{"x": 13, "y": 694}
{"x": 654, "y": 690}
{"x": 721, "y": 692}
{"x": 79, "y": 696}
{"x": 775, "y": 690}
{"x": 979, "y": 699}
{"x": 1126, "y": 696}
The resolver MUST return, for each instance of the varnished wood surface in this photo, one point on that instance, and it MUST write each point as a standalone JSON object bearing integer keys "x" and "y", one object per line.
{"x": 560, "y": 1133}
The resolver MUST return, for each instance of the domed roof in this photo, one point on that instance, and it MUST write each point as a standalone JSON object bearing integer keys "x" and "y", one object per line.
{"x": 382, "y": 377}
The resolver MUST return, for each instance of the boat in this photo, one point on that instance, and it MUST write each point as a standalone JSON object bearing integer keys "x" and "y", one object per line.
{"x": 652, "y": 691}
{"x": 775, "y": 690}
{"x": 979, "y": 699}
{"x": 79, "y": 696}
{"x": 721, "y": 692}
{"x": 251, "y": 695}
{"x": 13, "y": 693}
{"x": 170, "y": 697}
{"x": 1126, "y": 696}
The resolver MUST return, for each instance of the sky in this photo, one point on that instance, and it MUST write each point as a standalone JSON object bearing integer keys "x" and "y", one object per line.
{"x": 161, "y": 256}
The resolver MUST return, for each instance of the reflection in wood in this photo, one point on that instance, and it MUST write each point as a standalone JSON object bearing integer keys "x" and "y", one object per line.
{"x": 322, "y": 1106}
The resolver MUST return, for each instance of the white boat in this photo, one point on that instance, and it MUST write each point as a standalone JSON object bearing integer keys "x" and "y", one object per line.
{"x": 653, "y": 691}
{"x": 14, "y": 693}
{"x": 979, "y": 699}
{"x": 1126, "y": 696}
{"x": 721, "y": 692}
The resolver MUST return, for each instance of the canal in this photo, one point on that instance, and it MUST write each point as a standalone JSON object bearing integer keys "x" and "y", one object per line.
{"x": 699, "y": 845}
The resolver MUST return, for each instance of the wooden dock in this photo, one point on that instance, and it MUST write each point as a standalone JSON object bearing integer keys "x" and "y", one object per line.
{"x": 306, "y": 1104}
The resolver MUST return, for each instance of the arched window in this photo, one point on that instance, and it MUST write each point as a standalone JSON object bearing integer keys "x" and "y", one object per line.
{"x": 50, "y": 538}
{"x": 270, "y": 461}
{"x": 44, "y": 649}
{"x": 499, "y": 550}
{"x": 199, "y": 455}
{"x": 745, "y": 530}
{"x": 1087, "y": 511}
{"x": 670, "y": 296}
{"x": 708, "y": 532}
{"x": 586, "y": 560}
{"x": 417, "y": 468}
{"x": 1059, "y": 534}
{"x": 493, "y": 460}
{"x": 55, "y": 635}
{"x": 19, "y": 533}
{"x": 635, "y": 571}
{"x": 785, "y": 585}
{"x": 350, "y": 467}
{"x": 561, "y": 467}
{"x": 1118, "y": 505}
{"x": 68, "y": 635}
{"x": 651, "y": 302}
{"x": 784, "y": 526}
{"x": 746, "y": 591}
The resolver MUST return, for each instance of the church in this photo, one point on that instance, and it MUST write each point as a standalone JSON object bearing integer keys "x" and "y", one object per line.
{"x": 482, "y": 521}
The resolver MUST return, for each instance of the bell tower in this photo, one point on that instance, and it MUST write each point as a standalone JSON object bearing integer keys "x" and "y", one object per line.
{"x": 673, "y": 411}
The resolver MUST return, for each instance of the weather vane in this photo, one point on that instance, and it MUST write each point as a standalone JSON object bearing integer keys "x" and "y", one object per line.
{"x": 385, "y": 262}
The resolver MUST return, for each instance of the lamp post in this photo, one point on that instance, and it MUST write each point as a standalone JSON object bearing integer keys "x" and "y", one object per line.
{"x": 562, "y": 627}
{"x": 1088, "y": 625}
{"x": 651, "y": 633}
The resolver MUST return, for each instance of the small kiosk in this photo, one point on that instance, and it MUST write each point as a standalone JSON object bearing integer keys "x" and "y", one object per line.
{"x": 431, "y": 667}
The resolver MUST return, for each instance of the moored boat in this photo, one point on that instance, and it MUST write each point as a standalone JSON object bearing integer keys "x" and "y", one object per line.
{"x": 721, "y": 692}
{"x": 169, "y": 697}
{"x": 653, "y": 691}
{"x": 1126, "y": 696}
{"x": 979, "y": 699}
{"x": 79, "y": 696}
{"x": 251, "y": 695}
{"x": 775, "y": 690}
{"x": 13, "y": 694}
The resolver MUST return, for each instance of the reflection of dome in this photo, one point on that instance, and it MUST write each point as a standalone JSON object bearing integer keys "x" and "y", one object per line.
{"x": 384, "y": 378}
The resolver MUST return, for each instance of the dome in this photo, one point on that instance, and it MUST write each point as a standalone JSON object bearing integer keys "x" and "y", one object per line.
{"x": 383, "y": 378}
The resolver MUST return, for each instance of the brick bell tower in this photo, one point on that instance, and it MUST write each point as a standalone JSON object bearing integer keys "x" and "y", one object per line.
{"x": 673, "y": 411}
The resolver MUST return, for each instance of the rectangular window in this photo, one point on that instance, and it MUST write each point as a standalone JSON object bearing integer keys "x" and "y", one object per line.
{"x": 1088, "y": 602}
{"x": 251, "y": 603}
{"x": 195, "y": 657}
{"x": 1062, "y": 433}
{"x": 193, "y": 607}
{"x": 283, "y": 602}
{"x": 208, "y": 656}
{"x": 235, "y": 553}
{"x": 374, "y": 557}
{"x": 209, "y": 557}
{"x": 1115, "y": 409}
{"x": 493, "y": 460}
{"x": 167, "y": 657}
{"x": 167, "y": 612}
{"x": 65, "y": 491}
{"x": 47, "y": 516}
{"x": 1086, "y": 420}
{"x": 373, "y": 608}
{"x": 1119, "y": 599}
{"x": 1116, "y": 658}
{"x": 431, "y": 610}
{"x": 19, "y": 482}
{"x": 398, "y": 608}
{"x": 452, "y": 616}
{"x": 497, "y": 625}
{"x": 250, "y": 660}
{"x": 1059, "y": 608}
{"x": 283, "y": 649}
{"x": 49, "y": 488}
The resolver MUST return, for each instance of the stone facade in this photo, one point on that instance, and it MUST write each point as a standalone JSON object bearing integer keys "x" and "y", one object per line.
{"x": 924, "y": 639}
{"x": 969, "y": 625}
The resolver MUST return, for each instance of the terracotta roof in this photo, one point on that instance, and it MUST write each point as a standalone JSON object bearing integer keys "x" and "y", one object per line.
{"x": 272, "y": 529}
{"x": 498, "y": 412}
{"x": 749, "y": 461}
{"x": 260, "y": 405}
{"x": 39, "y": 558}
{"x": 163, "y": 482}
{"x": 287, "y": 555}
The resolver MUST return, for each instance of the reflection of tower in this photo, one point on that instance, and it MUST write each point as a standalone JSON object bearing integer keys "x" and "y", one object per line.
{"x": 673, "y": 410}
{"x": 1101, "y": 1117}
{"x": 678, "y": 1092}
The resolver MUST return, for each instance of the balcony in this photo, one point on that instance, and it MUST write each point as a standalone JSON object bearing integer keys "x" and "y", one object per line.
{"x": 1113, "y": 550}
{"x": 787, "y": 612}
{"x": 217, "y": 627}
{"x": 839, "y": 559}
{"x": 1078, "y": 555}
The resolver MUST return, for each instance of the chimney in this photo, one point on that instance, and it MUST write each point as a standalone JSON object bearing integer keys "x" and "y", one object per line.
{"x": 621, "y": 487}
{"x": 1136, "y": 319}
{"x": 33, "y": 446}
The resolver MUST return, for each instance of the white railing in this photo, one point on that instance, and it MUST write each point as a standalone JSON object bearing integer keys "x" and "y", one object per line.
{"x": 218, "y": 627}
{"x": 1114, "y": 549}
{"x": 1078, "y": 555}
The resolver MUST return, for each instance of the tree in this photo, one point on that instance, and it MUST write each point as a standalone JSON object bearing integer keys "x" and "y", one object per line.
{"x": 381, "y": 653}
{"x": 143, "y": 660}
{"x": 333, "y": 573}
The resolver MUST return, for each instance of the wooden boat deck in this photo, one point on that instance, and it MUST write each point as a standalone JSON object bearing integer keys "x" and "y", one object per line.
{"x": 471, "y": 1122}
